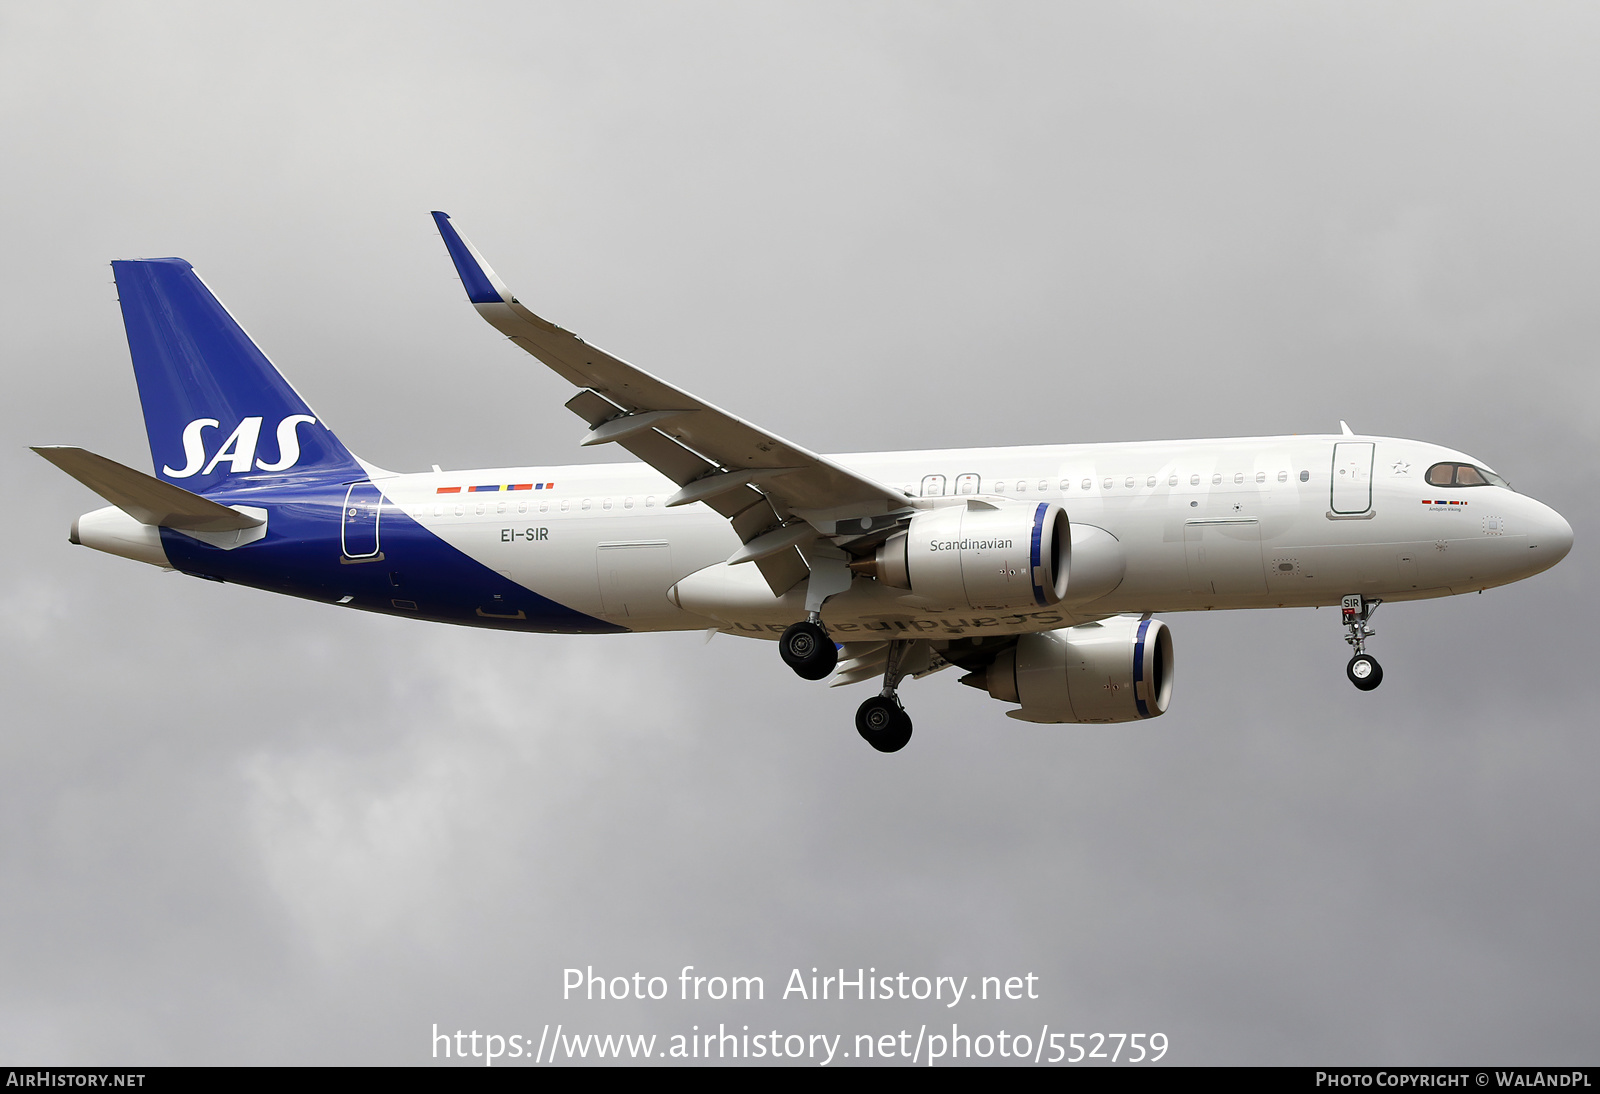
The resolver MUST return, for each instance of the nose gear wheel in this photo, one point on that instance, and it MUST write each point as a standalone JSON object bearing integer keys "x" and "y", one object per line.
{"x": 1363, "y": 670}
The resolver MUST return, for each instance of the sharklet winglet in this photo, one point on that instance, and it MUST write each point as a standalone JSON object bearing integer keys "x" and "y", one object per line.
{"x": 482, "y": 286}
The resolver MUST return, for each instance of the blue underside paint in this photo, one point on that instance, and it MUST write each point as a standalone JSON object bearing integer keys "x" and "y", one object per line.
{"x": 301, "y": 556}
{"x": 201, "y": 377}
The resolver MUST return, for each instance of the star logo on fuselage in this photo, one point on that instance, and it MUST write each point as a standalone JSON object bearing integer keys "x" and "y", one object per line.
{"x": 1401, "y": 467}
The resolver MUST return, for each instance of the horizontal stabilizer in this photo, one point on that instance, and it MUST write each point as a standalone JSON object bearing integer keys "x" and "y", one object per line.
{"x": 143, "y": 497}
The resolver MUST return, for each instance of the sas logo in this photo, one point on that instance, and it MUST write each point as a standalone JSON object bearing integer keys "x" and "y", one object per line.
{"x": 239, "y": 450}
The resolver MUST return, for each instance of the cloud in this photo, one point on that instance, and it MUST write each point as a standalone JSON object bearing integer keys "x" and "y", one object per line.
{"x": 238, "y": 828}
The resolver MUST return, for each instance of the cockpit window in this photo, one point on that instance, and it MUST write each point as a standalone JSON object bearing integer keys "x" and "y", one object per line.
{"x": 1463, "y": 474}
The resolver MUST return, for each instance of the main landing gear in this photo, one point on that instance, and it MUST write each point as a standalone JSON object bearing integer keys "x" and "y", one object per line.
{"x": 1363, "y": 670}
{"x": 806, "y": 648}
{"x": 882, "y": 722}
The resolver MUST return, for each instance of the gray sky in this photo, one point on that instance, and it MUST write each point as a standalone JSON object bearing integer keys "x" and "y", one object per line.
{"x": 237, "y": 828}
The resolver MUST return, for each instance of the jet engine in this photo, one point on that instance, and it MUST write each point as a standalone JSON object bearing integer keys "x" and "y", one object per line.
{"x": 981, "y": 555}
{"x": 1116, "y": 670}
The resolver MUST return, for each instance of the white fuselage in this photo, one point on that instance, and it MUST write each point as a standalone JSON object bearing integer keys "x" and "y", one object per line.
{"x": 1201, "y": 524}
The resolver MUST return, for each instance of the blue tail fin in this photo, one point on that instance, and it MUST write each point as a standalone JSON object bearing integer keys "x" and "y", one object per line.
{"x": 217, "y": 411}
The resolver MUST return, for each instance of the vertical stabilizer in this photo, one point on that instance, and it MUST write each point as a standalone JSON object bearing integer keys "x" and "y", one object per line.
{"x": 218, "y": 413}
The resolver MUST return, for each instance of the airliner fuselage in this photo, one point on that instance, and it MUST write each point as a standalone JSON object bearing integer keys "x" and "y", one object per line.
{"x": 1201, "y": 524}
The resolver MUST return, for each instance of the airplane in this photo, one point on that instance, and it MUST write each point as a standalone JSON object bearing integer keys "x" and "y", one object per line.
{"x": 1036, "y": 570}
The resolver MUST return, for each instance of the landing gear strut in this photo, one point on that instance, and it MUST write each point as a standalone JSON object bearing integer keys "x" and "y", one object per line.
{"x": 1363, "y": 670}
{"x": 882, "y": 722}
{"x": 806, "y": 648}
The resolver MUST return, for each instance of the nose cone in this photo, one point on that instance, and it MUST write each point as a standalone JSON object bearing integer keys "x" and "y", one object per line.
{"x": 1551, "y": 539}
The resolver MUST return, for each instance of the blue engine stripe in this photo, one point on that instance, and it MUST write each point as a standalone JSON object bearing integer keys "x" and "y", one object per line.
{"x": 1038, "y": 535}
{"x": 1138, "y": 669}
{"x": 473, "y": 279}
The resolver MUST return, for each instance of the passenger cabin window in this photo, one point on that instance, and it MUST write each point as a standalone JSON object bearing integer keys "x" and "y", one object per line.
{"x": 1088, "y": 483}
{"x": 1305, "y": 476}
{"x": 1463, "y": 474}
{"x": 1194, "y": 480}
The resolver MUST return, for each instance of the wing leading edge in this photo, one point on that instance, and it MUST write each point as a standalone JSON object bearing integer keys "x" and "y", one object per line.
{"x": 779, "y": 497}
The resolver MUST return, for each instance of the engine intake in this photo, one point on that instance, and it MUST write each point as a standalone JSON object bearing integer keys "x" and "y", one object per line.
{"x": 979, "y": 555}
{"x": 1117, "y": 670}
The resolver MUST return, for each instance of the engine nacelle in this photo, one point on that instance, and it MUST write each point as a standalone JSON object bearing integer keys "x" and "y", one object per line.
{"x": 1098, "y": 564}
{"x": 1117, "y": 670}
{"x": 1014, "y": 555}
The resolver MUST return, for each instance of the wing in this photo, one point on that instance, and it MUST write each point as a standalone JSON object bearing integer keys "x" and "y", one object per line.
{"x": 777, "y": 495}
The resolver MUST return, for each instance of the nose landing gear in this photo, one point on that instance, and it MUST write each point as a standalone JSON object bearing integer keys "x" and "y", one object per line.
{"x": 1363, "y": 670}
{"x": 882, "y": 722}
